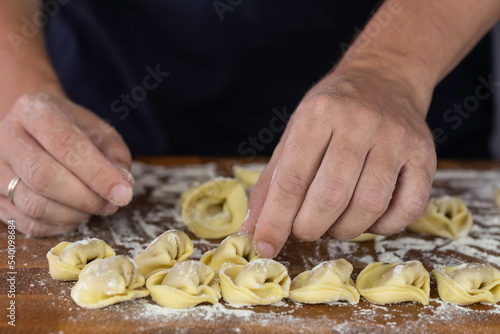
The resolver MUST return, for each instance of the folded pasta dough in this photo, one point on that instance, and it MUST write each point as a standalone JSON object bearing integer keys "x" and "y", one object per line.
{"x": 248, "y": 174}
{"x": 66, "y": 259}
{"x": 108, "y": 281}
{"x": 260, "y": 282}
{"x": 445, "y": 216}
{"x": 236, "y": 249}
{"x": 364, "y": 237}
{"x": 215, "y": 209}
{"x": 387, "y": 283}
{"x": 468, "y": 284}
{"x": 169, "y": 248}
{"x": 184, "y": 285}
{"x": 329, "y": 281}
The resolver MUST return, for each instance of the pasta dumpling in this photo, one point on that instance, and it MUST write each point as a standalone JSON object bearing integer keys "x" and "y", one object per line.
{"x": 468, "y": 284}
{"x": 260, "y": 282}
{"x": 445, "y": 216}
{"x": 66, "y": 259}
{"x": 364, "y": 237}
{"x": 215, "y": 209}
{"x": 236, "y": 249}
{"x": 108, "y": 281}
{"x": 184, "y": 285}
{"x": 169, "y": 248}
{"x": 329, "y": 281}
{"x": 248, "y": 175}
{"x": 387, "y": 283}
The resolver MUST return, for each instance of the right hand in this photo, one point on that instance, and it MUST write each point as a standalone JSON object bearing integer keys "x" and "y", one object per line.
{"x": 71, "y": 164}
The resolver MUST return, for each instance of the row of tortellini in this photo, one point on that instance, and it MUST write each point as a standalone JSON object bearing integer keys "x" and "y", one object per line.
{"x": 236, "y": 273}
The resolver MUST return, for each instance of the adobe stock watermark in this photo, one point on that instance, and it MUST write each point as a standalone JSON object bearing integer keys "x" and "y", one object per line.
{"x": 31, "y": 26}
{"x": 257, "y": 143}
{"x": 456, "y": 115}
{"x": 223, "y": 6}
{"x": 11, "y": 273}
{"x": 379, "y": 18}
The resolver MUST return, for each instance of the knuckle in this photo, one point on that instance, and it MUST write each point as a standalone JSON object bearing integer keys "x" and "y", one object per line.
{"x": 29, "y": 102}
{"x": 34, "y": 206}
{"x": 63, "y": 143}
{"x": 372, "y": 201}
{"x": 331, "y": 195}
{"x": 304, "y": 231}
{"x": 411, "y": 210}
{"x": 40, "y": 174}
{"x": 343, "y": 234}
{"x": 34, "y": 228}
{"x": 318, "y": 102}
{"x": 292, "y": 184}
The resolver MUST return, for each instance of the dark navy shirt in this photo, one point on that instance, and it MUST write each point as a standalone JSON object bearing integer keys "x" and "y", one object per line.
{"x": 221, "y": 77}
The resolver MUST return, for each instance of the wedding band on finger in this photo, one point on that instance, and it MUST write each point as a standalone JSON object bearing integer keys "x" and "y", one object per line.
{"x": 10, "y": 189}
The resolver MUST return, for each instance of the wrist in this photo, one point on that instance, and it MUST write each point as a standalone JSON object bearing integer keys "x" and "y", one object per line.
{"x": 390, "y": 72}
{"x": 21, "y": 77}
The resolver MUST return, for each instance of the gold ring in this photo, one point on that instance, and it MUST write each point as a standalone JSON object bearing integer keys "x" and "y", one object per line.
{"x": 10, "y": 189}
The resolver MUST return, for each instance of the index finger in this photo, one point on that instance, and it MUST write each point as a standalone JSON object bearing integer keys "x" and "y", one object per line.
{"x": 45, "y": 119}
{"x": 295, "y": 170}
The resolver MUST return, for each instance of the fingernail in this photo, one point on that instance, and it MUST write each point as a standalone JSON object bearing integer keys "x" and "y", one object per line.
{"x": 121, "y": 195}
{"x": 264, "y": 249}
{"x": 109, "y": 209}
{"x": 126, "y": 173}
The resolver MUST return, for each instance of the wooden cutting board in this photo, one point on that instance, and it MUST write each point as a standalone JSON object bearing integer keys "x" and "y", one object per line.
{"x": 45, "y": 305}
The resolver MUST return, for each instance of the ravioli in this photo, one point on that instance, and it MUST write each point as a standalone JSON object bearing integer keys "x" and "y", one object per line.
{"x": 214, "y": 209}
{"x": 108, "y": 281}
{"x": 236, "y": 249}
{"x": 260, "y": 282}
{"x": 387, "y": 283}
{"x": 66, "y": 259}
{"x": 329, "y": 281}
{"x": 185, "y": 285}
{"x": 468, "y": 284}
{"x": 168, "y": 249}
{"x": 446, "y": 217}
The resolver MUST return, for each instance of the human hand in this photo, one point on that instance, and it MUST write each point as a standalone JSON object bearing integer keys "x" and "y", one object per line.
{"x": 71, "y": 165}
{"x": 356, "y": 156}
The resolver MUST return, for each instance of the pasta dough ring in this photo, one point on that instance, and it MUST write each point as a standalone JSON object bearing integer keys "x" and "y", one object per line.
{"x": 215, "y": 209}
{"x": 184, "y": 285}
{"x": 387, "y": 283}
{"x": 329, "y": 281}
{"x": 66, "y": 259}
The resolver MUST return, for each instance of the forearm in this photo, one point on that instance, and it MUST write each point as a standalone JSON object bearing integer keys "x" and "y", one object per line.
{"x": 24, "y": 63}
{"x": 421, "y": 41}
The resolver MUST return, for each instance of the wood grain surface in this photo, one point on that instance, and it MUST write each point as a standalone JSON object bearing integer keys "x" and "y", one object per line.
{"x": 44, "y": 305}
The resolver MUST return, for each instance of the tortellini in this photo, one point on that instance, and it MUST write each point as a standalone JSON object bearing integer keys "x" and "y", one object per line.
{"x": 66, "y": 259}
{"x": 260, "y": 282}
{"x": 468, "y": 284}
{"x": 108, "y": 281}
{"x": 248, "y": 175}
{"x": 328, "y": 282}
{"x": 446, "y": 217}
{"x": 184, "y": 285}
{"x": 169, "y": 248}
{"x": 386, "y": 283}
{"x": 215, "y": 209}
{"x": 364, "y": 237}
{"x": 236, "y": 249}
